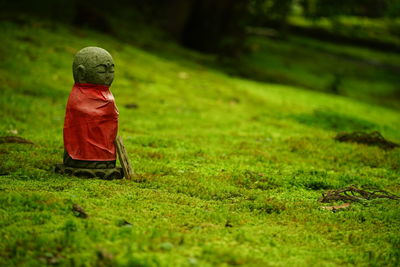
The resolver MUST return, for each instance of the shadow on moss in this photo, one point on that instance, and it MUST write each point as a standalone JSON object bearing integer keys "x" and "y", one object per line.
{"x": 266, "y": 206}
{"x": 370, "y": 139}
{"x": 330, "y": 120}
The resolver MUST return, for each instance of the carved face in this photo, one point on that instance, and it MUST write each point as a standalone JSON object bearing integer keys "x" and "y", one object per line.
{"x": 93, "y": 65}
{"x": 102, "y": 73}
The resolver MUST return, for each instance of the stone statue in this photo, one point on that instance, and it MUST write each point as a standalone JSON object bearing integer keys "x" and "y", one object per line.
{"x": 91, "y": 120}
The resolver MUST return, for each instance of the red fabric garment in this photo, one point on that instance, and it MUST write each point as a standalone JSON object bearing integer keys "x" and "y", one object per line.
{"x": 91, "y": 123}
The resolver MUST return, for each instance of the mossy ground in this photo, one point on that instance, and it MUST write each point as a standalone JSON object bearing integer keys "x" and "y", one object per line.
{"x": 228, "y": 171}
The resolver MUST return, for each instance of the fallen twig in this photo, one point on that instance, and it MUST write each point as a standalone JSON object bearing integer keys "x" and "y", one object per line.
{"x": 79, "y": 211}
{"x": 353, "y": 194}
{"x": 14, "y": 139}
{"x": 335, "y": 208}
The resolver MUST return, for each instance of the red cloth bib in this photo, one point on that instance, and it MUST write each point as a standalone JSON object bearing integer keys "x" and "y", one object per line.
{"x": 91, "y": 123}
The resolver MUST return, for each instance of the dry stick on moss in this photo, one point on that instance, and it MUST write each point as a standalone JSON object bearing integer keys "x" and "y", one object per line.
{"x": 354, "y": 194}
{"x": 335, "y": 208}
{"x": 79, "y": 211}
{"x": 15, "y": 139}
{"x": 123, "y": 158}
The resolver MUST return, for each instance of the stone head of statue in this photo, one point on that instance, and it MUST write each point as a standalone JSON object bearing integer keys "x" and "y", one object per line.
{"x": 93, "y": 65}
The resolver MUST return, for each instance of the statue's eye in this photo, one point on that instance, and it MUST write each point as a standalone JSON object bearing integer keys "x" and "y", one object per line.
{"x": 101, "y": 69}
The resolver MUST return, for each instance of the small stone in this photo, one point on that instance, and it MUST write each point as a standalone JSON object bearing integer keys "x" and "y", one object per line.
{"x": 193, "y": 261}
{"x": 132, "y": 106}
{"x": 13, "y": 131}
{"x": 183, "y": 75}
{"x": 166, "y": 246}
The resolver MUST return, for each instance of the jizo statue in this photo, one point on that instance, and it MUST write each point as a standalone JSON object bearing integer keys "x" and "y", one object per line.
{"x": 91, "y": 120}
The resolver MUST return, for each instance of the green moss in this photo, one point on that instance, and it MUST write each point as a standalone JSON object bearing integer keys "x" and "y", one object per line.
{"x": 228, "y": 171}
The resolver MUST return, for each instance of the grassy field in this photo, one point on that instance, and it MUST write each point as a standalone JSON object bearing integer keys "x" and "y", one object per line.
{"x": 228, "y": 170}
{"x": 355, "y": 72}
{"x": 377, "y": 29}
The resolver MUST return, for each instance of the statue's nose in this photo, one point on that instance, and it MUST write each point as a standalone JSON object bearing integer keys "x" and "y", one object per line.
{"x": 109, "y": 78}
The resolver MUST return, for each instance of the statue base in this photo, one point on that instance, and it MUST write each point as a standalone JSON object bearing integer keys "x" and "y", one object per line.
{"x": 106, "y": 174}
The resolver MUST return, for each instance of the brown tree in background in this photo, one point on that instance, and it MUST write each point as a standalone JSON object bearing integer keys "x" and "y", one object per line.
{"x": 215, "y": 26}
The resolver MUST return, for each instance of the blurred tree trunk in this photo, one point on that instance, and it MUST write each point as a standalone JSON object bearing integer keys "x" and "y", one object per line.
{"x": 91, "y": 15}
{"x": 215, "y": 26}
{"x": 282, "y": 7}
{"x": 177, "y": 13}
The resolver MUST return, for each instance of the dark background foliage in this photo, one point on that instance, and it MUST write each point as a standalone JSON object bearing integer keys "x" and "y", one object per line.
{"x": 205, "y": 25}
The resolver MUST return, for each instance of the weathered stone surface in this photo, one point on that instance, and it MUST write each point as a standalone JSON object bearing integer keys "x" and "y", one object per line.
{"x": 85, "y": 164}
{"x": 93, "y": 65}
{"x": 107, "y": 174}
